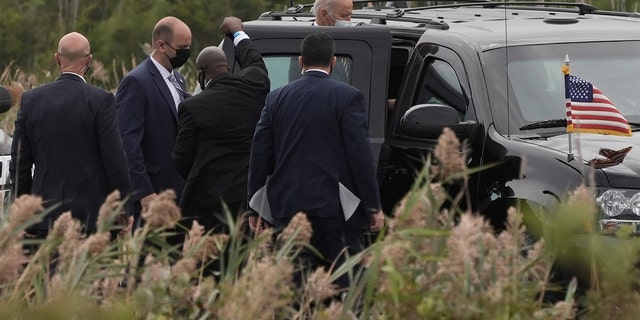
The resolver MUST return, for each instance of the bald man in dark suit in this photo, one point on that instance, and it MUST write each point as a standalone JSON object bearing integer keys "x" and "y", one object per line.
{"x": 147, "y": 101}
{"x": 67, "y": 132}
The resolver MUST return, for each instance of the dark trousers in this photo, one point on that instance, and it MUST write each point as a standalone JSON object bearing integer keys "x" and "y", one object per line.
{"x": 335, "y": 240}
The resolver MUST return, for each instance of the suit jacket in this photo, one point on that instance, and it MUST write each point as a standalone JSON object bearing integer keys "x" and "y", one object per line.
{"x": 312, "y": 136}
{"x": 149, "y": 125}
{"x": 67, "y": 131}
{"x": 214, "y": 136}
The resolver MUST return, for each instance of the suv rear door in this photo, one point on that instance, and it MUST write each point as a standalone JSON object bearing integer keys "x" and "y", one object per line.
{"x": 279, "y": 44}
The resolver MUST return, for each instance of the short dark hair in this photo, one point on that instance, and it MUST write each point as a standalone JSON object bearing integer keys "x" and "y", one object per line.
{"x": 317, "y": 50}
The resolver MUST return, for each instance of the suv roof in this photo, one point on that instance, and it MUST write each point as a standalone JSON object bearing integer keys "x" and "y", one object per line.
{"x": 489, "y": 23}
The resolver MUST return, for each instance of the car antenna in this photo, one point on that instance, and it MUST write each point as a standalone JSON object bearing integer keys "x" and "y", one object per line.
{"x": 506, "y": 64}
{"x": 566, "y": 69}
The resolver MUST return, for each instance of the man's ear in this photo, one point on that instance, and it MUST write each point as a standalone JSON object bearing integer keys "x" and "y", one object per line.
{"x": 301, "y": 63}
{"x": 57, "y": 57}
{"x": 333, "y": 63}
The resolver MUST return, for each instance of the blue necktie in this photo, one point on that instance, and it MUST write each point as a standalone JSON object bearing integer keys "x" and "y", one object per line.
{"x": 182, "y": 92}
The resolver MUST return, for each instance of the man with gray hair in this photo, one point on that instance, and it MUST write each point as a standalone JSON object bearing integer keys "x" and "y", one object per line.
{"x": 332, "y": 12}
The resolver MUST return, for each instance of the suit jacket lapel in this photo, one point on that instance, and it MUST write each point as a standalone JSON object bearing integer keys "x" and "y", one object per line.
{"x": 162, "y": 86}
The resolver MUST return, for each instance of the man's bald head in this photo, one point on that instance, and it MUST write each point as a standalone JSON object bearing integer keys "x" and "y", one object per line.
{"x": 167, "y": 28}
{"x": 211, "y": 62}
{"x": 73, "y": 45}
{"x": 74, "y": 53}
{"x": 169, "y": 35}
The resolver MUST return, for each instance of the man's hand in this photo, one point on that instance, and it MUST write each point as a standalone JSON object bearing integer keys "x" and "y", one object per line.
{"x": 377, "y": 221}
{"x": 231, "y": 25}
{"x": 128, "y": 227}
{"x": 255, "y": 224}
{"x": 144, "y": 202}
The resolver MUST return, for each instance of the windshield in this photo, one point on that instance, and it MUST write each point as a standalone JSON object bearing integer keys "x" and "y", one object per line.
{"x": 536, "y": 82}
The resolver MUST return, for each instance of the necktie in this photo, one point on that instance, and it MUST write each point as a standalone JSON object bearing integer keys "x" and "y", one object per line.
{"x": 182, "y": 92}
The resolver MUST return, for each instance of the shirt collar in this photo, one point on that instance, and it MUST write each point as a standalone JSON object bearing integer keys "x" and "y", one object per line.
{"x": 73, "y": 73}
{"x": 163, "y": 71}
{"x": 319, "y": 70}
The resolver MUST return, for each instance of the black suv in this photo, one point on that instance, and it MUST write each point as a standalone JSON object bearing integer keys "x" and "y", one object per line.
{"x": 491, "y": 72}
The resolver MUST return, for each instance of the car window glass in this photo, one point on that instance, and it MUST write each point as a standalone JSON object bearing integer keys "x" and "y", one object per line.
{"x": 439, "y": 84}
{"x": 539, "y": 95}
{"x": 284, "y": 69}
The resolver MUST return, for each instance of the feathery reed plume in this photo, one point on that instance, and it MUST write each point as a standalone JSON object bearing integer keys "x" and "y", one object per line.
{"x": 96, "y": 244}
{"x": 471, "y": 250}
{"x": 319, "y": 286}
{"x": 450, "y": 156}
{"x": 210, "y": 247}
{"x": 163, "y": 211}
{"x": 262, "y": 292}
{"x": 265, "y": 243}
{"x": 56, "y": 288}
{"x": 156, "y": 274}
{"x": 22, "y": 210}
{"x": 71, "y": 235}
{"x": 99, "y": 72}
{"x": 108, "y": 211}
{"x": 11, "y": 263}
{"x": 335, "y": 311}
{"x": 412, "y": 212}
{"x": 193, "y": 237}
{"x": 299, "y": 224}
{"x": 202, "y": 248}
{"x": 183, "y": 268}
{"x": 438, "y": 193}
{"x": 582, "y": 196}
{"x": 60, "y": 226}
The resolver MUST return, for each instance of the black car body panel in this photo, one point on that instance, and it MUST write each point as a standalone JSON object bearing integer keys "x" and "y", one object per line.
{"x": 498, "y": 67}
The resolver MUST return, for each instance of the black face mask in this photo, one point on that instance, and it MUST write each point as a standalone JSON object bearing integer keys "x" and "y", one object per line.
{"x": 182, "y": 55}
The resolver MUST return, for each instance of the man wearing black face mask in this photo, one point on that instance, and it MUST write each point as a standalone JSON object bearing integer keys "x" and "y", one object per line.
{"x": 67, "y": 135}
{"x": 216, "y": 127}
{"x": 147, "y": 101}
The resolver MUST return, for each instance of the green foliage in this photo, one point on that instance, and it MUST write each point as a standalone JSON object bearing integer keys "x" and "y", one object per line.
{"x": 117, "y": 30}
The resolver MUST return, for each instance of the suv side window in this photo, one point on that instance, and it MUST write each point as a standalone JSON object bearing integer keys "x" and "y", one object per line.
{"x": 434, "y": 75}
{"x": 284, "y": 69}
{"x": 439, "y": 84}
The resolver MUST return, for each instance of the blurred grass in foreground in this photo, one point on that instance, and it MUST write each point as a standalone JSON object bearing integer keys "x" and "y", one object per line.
{"x": 432, "y": 261}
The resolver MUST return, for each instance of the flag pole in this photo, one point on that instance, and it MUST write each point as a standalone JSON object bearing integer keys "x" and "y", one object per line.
{"x": 566, "y": 69}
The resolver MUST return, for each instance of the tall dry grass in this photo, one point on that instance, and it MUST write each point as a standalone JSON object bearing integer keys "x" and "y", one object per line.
{"x": 434, "y": 260}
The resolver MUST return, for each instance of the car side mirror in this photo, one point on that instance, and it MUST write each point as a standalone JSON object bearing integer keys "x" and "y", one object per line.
{"x": 427, "y": 121}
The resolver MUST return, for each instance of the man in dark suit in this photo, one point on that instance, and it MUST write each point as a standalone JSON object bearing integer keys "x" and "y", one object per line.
{"x": 67, "y": 132}
{"x": 147, "y": 101}
{"x": 311, "y": 153}
{"x": 215, "y": 130}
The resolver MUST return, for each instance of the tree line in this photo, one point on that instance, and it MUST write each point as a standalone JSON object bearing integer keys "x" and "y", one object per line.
{"x": 120, "y": 30}
{"x": 117, "y": 30}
